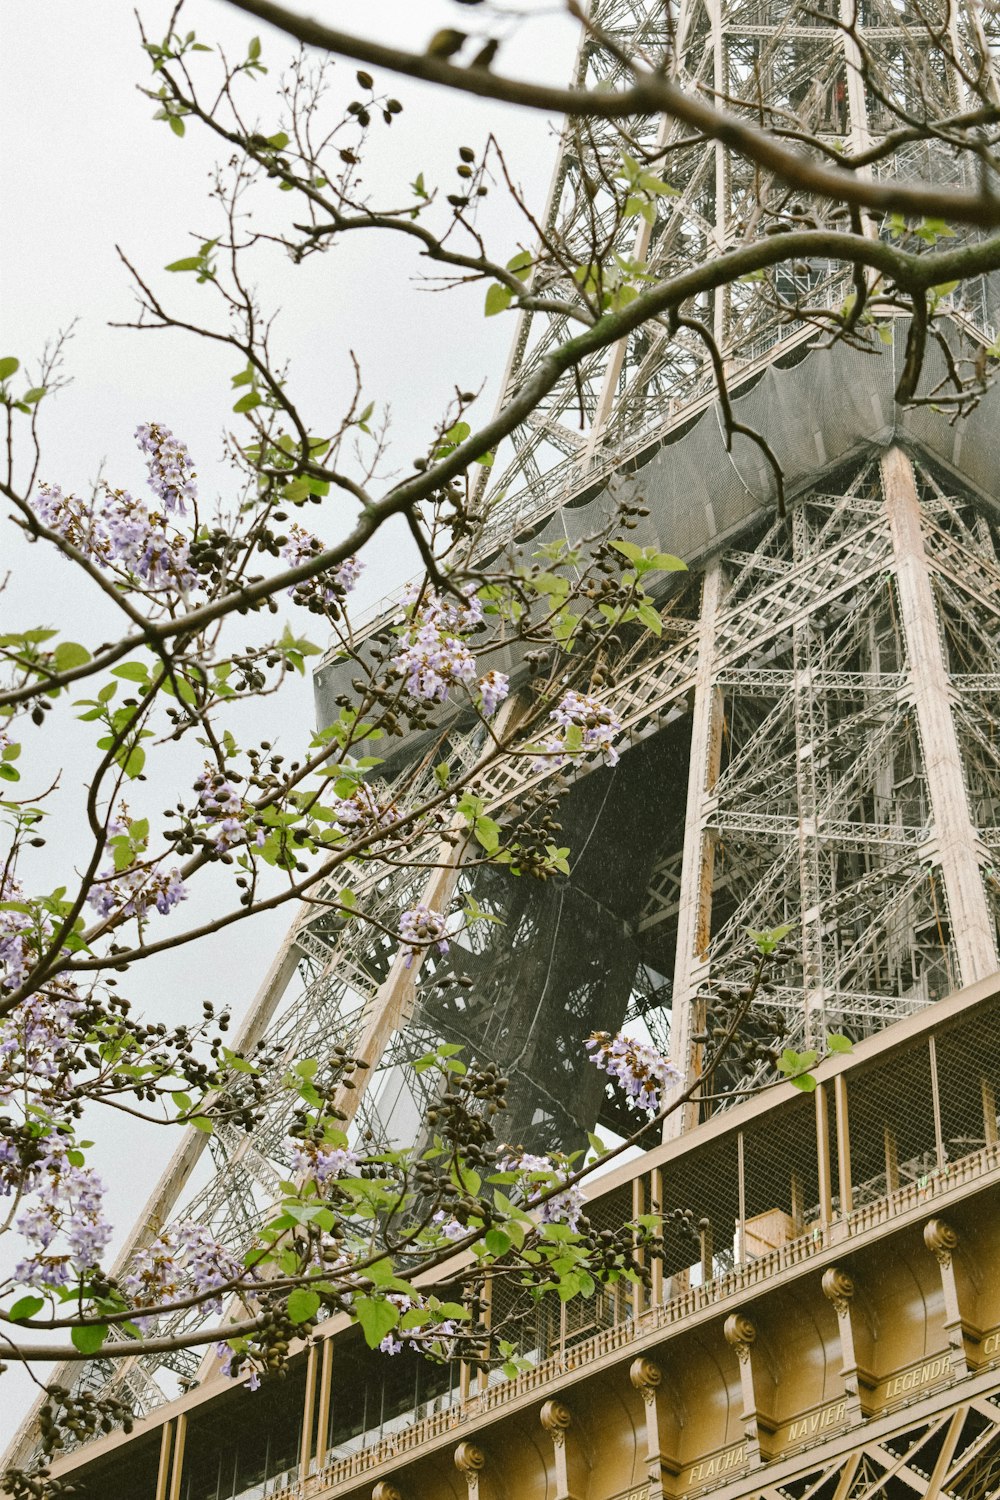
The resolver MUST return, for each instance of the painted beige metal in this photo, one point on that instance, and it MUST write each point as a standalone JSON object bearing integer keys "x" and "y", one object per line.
{"x": 954, "y": 834}
{"x": 776, "y": 1360}
{"x": 697, "y": 868}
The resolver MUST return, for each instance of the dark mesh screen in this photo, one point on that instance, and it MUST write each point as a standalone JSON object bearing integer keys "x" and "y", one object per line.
{"x": 566, "y": 958}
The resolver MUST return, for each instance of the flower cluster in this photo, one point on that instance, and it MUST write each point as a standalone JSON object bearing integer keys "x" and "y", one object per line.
{"x": 14, "y": 940}
{"x": 328, "y": 587}
{"x": 435, "y": 658}
{"x": 37, "y": 1040}
{"x": 425, "y": 1334}
{"x": 563, "y": 1208}
{"x": 493, "y": 689}
{"x": 320, "y": 1162}
{"x": 421, "y": 927}
{"x": 449, "y": 1227}
{"x": 62, "y": 1221}
{"x": 132, "y": 893}
{"x": 234, "y": 1366}
{"x": 223, "y": 807}
{"x": 183, "y": 1260}
{"x": 171, "y": 473}
{"x": 362, "y": 811}
{"x": 119, "y": 532}
{"x": 640, "y": 1070}
{"x": 597, "y": 729}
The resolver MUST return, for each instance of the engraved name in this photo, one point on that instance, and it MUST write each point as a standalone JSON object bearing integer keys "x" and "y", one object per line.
{"x": 710, "y": 1468}
{"x": 817, "y": 1421}
{"x": 923, "y": 1374}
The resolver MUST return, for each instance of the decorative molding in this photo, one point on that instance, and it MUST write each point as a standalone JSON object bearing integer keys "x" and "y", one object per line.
{"x": 941, "y": 1240}
{"x": 555, "y": 1417}
{"x": 646, "y": 1376}
{"x": 469, "y": 1459}
{"x": 386, "y": 1491}
{"x": 838, "y": 1288}
{"x": 740, "y": 1333}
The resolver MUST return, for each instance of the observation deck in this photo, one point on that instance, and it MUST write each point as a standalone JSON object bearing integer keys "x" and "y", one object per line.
{"x": 834, "y": 1312}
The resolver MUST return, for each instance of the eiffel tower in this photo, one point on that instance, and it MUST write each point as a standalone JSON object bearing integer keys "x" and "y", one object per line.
{"x": 813, "y": 739}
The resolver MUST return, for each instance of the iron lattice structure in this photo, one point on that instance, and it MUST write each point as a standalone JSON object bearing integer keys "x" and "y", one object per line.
{"x": 820, "y": 718}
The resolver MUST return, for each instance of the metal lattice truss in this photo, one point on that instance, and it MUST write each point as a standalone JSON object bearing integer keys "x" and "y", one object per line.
{"x": 847, "y": 773}
{"x": 955, "y": 1453}
{"x": 793, "y": 65}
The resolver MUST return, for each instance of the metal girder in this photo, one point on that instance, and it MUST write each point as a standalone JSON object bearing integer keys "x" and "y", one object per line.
{"x": 802, "y": 70}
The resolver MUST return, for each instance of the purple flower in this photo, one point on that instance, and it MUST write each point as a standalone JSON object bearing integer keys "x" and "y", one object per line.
{"x": 183, "y": 1259}
{"x": 362, "y": 810}
{"x": 493, "y": 689}
{"x": 62, "y": 1220}
{"x": 131, "y": 893}
{"x": 311, "y": 1158}
{"x": 434, "y": 658}
{"x": 598, "y": 726}
{"x": 637, "y": 1067}
{"x": 333, "y": 583}
{"x": 171, "y": 476}
{"x": 420, "y": 928}
{"x": 562, "y": 1208}
{"x": 119, "y": 532}
{"x": 449, "y": 1227}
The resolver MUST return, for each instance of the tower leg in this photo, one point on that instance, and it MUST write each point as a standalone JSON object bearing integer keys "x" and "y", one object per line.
{"x": 954, "y": 836}
{"x": 695, "y": 905}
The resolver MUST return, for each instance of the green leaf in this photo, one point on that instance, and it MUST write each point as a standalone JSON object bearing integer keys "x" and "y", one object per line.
{"x": 650, "y": 617}
{"x": 177, "y": 124}
{"x": 805, "y": 1081}
{"x": 69, "y": 654}
{"x": 836, "y": 1042}
{"x": 496, "y": 1242}
{"x": 488, "y": 834}
{"x": 248, "y": 402}
{"x": 131, "y": 671}
{"x": 8, "y": 367}
{"x": 90, "y": 1338}
{"x": 35, "y": 394}
{"x": 134, "y": 762}
{"x": 26, "y": 1307}
{"x": 303, "y": 1304}
{"x": 498, "y": 299}
{"x": 202, "y": 1123}
{"x": 376, "y": 1317}
{"x": 767, "y": 940}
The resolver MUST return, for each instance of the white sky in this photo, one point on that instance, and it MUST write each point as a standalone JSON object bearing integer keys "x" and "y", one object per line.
{"x": 85, "y": 167}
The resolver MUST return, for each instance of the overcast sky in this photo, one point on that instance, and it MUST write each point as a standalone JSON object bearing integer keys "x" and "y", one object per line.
{"x": 85, "y": 168}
